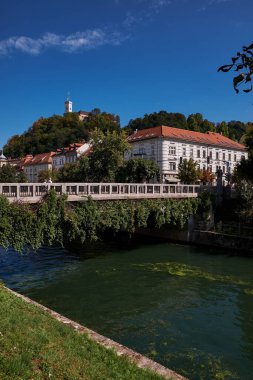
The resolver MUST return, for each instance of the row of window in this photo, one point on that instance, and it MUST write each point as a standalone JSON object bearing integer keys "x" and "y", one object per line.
{"x": 225, "y": 169}
{"x": 172, "y": 151}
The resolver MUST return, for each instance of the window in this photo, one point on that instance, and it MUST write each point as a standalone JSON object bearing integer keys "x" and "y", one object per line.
{"x": 191, "y": 152}
{"x": 172, "y": 150}
{"x": 223, "y": 156}
{"x": 217, "y": 155}
{"x": 198, "y": 153}
{"x": 223, "y": 169}
{"x": 217, "y": 168}
{"x": 141, "y": 151}
{"x": 234, "y": 157}
{"x": 152, "y": 150}
{"x": 204, "y": 154}
{"x": 172, "y": 166}
{"x": 184, "y": 151}
{"x": 229, "y": 156}
{"x": 211, "y": 154}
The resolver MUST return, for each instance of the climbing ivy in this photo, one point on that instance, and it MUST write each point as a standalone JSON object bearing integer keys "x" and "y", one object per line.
{"x": 54, "y": 220}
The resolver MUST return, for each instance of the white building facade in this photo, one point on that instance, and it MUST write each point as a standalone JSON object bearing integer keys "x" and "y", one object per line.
{"x": 169, "y": 146}
{"x": 70, "y": 154}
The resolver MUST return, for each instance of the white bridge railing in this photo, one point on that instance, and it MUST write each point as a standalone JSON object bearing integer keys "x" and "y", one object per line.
{"x": 32, "y": 192}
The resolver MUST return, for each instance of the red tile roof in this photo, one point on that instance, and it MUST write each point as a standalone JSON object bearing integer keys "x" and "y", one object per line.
{"x": 40, "y": 159}
{"x": 210, "y": 138}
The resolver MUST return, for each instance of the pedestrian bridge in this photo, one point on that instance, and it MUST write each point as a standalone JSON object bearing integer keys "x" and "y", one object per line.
{"x": 34, "y": 192}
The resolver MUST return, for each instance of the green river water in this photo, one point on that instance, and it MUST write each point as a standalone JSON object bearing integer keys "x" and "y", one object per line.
{"x": 188, "y": 308}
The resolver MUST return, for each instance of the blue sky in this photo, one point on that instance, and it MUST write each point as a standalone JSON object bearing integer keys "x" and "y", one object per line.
{"x": 128, "y": 57}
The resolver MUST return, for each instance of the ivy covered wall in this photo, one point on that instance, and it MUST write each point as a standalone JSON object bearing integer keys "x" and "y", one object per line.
{"x": 55, "y": 221}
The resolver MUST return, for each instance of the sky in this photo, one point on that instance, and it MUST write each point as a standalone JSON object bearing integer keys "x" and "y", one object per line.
{"x": 128, "y": 57}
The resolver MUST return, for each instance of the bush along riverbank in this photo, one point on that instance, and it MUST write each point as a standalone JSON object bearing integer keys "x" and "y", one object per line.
{"x": 34, "y": 345}
{"x": 55, "y": 221}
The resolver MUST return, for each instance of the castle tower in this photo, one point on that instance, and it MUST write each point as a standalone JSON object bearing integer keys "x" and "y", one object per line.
{"x": 68, "y": 105}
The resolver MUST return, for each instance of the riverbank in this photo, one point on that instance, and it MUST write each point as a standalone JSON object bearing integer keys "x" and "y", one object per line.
{"x": 34, "y": 344}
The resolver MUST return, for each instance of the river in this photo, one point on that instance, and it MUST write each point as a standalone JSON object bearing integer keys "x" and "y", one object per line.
{"x": 189, "y": 308}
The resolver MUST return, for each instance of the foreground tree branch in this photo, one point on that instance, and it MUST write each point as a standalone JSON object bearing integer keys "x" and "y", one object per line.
{"x": 242, "y": 64}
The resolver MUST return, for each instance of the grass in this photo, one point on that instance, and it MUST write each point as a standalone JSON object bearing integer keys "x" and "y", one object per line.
{"x": 36, "y": 346}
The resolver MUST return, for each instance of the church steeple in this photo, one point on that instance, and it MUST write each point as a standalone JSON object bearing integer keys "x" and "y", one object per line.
{"x": 68, "y": 105}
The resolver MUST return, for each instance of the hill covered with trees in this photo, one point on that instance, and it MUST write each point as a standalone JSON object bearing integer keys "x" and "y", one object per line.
{"x": 48, "y": 134}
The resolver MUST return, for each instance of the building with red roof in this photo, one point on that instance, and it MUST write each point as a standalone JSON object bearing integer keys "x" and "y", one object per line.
{"x": 70, "y": 154}
{"x": 169, "y": 146}
{"x": 33, "y": 166}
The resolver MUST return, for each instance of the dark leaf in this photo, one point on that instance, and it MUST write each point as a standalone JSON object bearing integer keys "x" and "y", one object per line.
{"x": 234, "y": 59}
{"x": 248, "y": 78}
{"x": 248, "y": 47}
{"x": 238, "y": 79}
{"x": 239, "y": 67}
{"x": 248, "y": 89}
{"x": 225, "y": 68}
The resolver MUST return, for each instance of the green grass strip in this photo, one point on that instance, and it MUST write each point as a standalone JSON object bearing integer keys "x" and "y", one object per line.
{"x": 35, "y": 346}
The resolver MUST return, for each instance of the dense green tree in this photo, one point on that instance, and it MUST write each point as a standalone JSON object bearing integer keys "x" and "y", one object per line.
{"x": 223, "y": 128}
{"x": 194, "y": 122}
{"x": 236, "y": 129}
{"x": 107, "y": 155}
{"x": 138, "y": 170}
{"x": 188, "y": 171}
{"x": 46, "y": 175}
{"x": 10, "y": 174}
{"x": 244, "y": 170}
{"x": 78, "y": 171}
{"x": 249, "y": 139}
{"x": 155, "y": 119}
{"x": 102, "y": 120}
{"x": 21, "y": 177}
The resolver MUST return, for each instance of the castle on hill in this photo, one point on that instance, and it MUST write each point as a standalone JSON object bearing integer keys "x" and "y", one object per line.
{"x": 68, "y": 109}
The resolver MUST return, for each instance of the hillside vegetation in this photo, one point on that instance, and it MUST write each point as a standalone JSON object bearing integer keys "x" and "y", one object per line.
{"x": 48, "y": 134}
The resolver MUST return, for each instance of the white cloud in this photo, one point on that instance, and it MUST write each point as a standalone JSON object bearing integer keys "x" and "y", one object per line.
{"x": 88, "y": 39}
{"x": 74, "y": 42}
{"x": 131, "y": 19}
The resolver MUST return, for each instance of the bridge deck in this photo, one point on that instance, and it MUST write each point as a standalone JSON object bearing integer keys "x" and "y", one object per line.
{"x": 33, "y": 192}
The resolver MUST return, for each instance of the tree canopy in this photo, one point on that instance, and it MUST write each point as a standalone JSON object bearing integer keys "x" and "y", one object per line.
{"x": 102, "y": 120}
{"x": 138, "y": 170}
{"x": 9, "y": 174}
{"x": 194, "y": 122}
{"x": 108, "y": 154}
{"x": 188, "y": 171}
{"x": 49, "y": 134}
{"x": 176, "y": 120}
